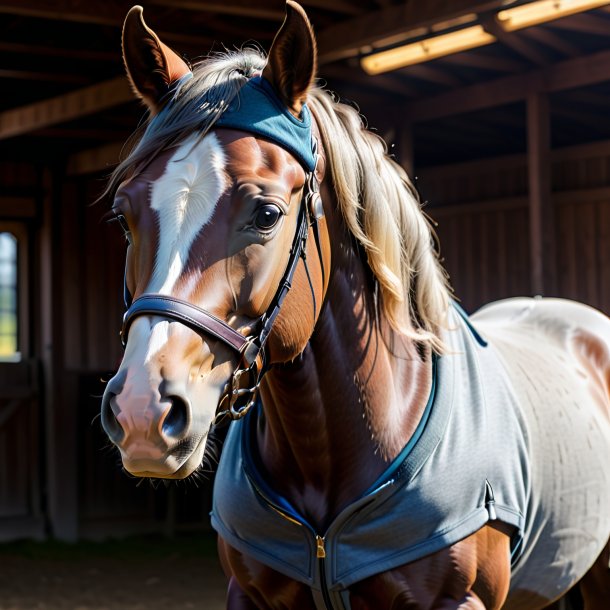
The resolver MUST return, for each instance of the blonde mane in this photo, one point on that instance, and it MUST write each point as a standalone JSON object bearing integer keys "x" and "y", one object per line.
{"x": 376, "y": 198}
{"x": 382, "y": 210}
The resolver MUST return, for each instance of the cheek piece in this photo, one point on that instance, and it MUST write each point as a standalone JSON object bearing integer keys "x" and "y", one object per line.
{"x": 257, "y": 110}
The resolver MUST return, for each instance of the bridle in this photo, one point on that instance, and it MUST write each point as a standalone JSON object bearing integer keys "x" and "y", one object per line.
{"x": 253, "y": 360}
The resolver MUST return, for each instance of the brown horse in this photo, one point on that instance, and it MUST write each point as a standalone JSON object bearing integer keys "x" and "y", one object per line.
{"x": 384, "y": 451}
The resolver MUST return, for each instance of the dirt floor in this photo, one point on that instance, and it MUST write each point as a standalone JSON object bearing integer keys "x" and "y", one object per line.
{"x": 135, "y": 574}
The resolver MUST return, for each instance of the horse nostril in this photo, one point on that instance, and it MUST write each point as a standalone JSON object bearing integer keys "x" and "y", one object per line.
{"x": 110, "y": 423}
{"x": 177, "y": 420}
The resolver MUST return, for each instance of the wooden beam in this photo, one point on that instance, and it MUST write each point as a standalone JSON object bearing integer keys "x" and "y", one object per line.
{"x": 383, "y": 83}
{"x": 335, "y": 6}
{"x": 568, "y": 74}
{"x": 273, "y": 10}
{"x": 68, "y": 107}
{"x": 47, "y": 77}
{"x": 542, "y": 228}
{"x": 98, "y": 13}
{"x": 552, "y": 40}
{"x": 406, "y": 151}
{"x": 484, "y": 62}
{"x": 20, "y": 48}
{"x": 17, "y": 207}
{"x": 431, "y": 74}
{"x": 95, "y": 160}
{"x": 101, "y": 13}
{"x": 345, "y": 39}
{"x": 514, "y": 41}
{"x": 585, "y": 23}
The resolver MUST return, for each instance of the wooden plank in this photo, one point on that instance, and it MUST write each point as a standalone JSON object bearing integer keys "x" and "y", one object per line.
{"x": 603, "y": 255}
{"x": 551, "y": 40}
{"x": 68, "y": 107}
{"x": 113, "y": 13}
{"x": 568, "y": 74}
{"x": 431, "y": 74}
{"x": 60, "y": 410}
{"x": 49, "y": 77}
{"x": 484, "y": 62}
{"x": 55, "y": 51}
{"x": 345, "y": 39}
{"x": 94, "y": 160}
{"x": 566, "y": 253}
{"x": 272, "y": 10}
{"x": 514, "y": 41}
{"x": 466, "y": 209}
{"x": 17, "y": 207}
{"x": 540, "y": 207}
{"x": 585, "y": 23}
{"x": 405, "y": 152}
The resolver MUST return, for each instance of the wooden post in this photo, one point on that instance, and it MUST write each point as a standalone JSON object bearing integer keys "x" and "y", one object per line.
{"x": 404, "y": 140}
{"x": 59, "y": 402}
{"x": 542, "y": 227}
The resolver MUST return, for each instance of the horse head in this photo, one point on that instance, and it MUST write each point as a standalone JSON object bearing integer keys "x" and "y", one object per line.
{"x": 227, "y": 241}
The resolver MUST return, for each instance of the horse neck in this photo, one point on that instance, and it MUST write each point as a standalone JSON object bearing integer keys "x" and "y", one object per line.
{"x": 337, "y": 415}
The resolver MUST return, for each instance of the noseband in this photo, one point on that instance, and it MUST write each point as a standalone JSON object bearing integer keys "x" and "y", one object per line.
{"x": 251, "y": 350}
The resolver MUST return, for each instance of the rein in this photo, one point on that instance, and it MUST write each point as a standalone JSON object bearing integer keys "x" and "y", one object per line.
{"x": 253, "y": 361}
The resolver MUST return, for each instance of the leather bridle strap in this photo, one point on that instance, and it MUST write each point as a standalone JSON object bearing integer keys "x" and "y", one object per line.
{"x": 202, "y": 321}
{"x": 190, "y": 315}
{"x": 251, "y": 349}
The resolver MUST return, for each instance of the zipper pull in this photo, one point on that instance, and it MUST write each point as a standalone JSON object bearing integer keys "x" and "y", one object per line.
{"x": 320, "y": 550}
{"x": 490, "y": 501}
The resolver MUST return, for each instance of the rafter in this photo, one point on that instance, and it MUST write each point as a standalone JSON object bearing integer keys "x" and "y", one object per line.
{"x": 551, "y": 39}
{"x": 94, "y": 160}
{"x": 48, "y": 51}
{"x": 382, "y": 83}
{"x": 273, "y": 10}
{"x": 484, "y": 62}
{"x": 514, "y": 41}
{"x": 431, "y": 74}
{"x": 98, "y": 13}
{"x": 568, "y": 74}
{"x": 584, "y": 22}
{"x": 51, "y": 77}
{"x": 345, "y": 39}
{"x": 68, "y": 107}
{"x": 337, "y": 6}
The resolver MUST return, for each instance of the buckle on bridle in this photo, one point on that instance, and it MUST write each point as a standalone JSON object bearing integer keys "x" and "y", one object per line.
{"x": 251, "y": 356}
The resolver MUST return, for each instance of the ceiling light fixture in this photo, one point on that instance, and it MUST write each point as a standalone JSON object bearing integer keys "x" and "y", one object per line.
{"x": 535, "y": 13}
{"x": 425, "y": 50}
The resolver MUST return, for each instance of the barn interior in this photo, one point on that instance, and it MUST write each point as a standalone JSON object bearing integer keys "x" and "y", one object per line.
{"x": 506, "y": 137}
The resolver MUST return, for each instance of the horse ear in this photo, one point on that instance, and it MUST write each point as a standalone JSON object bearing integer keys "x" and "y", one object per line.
{"x": 151, "y": 65}
{"x": 292, "y": 63}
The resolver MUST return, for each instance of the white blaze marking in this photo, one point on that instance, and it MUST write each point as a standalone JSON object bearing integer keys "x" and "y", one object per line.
{"x": 158, "y": 338}
{"x": 184, "y": 198}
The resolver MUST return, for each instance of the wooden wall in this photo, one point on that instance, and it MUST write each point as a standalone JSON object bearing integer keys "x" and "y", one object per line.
{"x": 108, "y": 501}
{"x": 482, "y": 211}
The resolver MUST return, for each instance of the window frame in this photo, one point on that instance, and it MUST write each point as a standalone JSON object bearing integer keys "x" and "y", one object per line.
{"x": 20, "y": 232}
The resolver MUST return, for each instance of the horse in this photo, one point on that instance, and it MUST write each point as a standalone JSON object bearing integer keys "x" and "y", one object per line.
{"x": 283, "y": 289}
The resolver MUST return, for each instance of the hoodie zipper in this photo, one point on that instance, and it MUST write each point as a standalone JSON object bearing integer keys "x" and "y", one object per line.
{"x": 320, "y": 541}
{"x": 321, "y": 555}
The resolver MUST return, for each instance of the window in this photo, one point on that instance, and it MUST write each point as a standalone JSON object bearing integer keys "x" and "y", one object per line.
{"x": 9, "y": 297}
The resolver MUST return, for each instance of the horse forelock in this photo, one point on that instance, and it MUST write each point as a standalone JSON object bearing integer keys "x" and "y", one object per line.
{"x": 376, "y": 198}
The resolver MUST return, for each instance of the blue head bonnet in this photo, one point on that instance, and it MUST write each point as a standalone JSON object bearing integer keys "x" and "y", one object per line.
{"x": 257, "y": 109}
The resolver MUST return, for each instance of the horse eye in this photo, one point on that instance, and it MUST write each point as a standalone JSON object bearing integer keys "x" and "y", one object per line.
{"x": 124, "y": 226}
{"x": 122, "y": 222}
{"x": 267, "y": 217}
